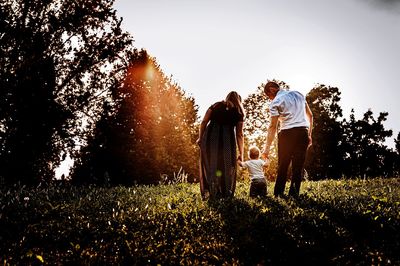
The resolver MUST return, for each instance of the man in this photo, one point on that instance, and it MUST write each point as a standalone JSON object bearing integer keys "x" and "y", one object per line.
{"x": 296, "y": 120}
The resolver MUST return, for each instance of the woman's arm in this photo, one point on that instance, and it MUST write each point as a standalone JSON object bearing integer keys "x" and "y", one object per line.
{"x": 203, "y": 125}
{"x": 240, "y": 139}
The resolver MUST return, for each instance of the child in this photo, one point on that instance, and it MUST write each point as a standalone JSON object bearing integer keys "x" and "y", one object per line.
{"x": 258, "y": 185}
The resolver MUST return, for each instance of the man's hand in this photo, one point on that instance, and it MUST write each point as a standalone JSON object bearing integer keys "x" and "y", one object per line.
{"x": 272, "y": 128}
{"x": 265, "y": 154}
{"x": 266, "y": 163}
{"x": 309, "y": 141}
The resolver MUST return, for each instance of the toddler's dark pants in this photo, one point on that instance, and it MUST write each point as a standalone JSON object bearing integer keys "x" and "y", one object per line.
{"x": 258, "y": 187}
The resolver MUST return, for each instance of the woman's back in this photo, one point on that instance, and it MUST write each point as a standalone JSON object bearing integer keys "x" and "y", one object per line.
{"x": 223, "y": 115}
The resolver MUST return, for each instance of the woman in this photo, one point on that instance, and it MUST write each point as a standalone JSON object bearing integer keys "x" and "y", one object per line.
{"x": 220, "y": 131}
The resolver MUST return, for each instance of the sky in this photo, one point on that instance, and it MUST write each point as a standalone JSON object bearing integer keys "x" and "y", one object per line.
{"x": 211, "y": 47}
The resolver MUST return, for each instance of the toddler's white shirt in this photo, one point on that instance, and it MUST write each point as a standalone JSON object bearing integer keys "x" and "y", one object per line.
{"x": 255, "y": 168}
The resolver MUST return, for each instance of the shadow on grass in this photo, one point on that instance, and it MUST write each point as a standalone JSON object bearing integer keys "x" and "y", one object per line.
{"x": 258, "y": 235}
{"x": 304, "y": 231}
{"x": 360, "y": 237}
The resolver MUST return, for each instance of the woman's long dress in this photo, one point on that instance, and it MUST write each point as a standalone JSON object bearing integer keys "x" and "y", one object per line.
{"x": 218, "y": 160}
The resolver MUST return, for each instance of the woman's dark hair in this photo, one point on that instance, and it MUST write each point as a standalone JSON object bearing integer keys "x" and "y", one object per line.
{"x": 233, "y": 100}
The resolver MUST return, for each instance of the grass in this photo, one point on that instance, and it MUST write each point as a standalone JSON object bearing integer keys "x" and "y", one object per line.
{"x": 333, "y": 222}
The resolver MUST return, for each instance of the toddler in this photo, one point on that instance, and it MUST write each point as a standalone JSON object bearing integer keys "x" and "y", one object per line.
{"x": 258, "y": 184}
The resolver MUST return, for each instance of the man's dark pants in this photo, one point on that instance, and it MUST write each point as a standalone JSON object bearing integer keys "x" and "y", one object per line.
{"x": 292, "y": 147}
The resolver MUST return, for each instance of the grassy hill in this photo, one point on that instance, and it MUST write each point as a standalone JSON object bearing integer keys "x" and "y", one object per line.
{"x": 333, "y": 222}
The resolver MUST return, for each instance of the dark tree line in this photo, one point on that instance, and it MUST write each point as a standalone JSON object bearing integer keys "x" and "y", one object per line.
{"x": 64, "y": 72}
{"x": 347, "y": 147}
{"x": 58, "y": 60}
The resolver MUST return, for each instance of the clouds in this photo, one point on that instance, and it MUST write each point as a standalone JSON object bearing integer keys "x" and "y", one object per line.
{"x": 388, "y": 5}
{"x": 387, "y": 2}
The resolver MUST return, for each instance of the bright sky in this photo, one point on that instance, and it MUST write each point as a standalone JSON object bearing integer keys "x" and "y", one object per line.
{"x": 214, "y": 46}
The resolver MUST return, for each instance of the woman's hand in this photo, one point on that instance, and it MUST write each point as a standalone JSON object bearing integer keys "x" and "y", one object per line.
{"x": 198, "y": 141}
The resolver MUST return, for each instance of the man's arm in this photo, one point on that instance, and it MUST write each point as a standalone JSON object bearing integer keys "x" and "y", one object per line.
{"x": 240, "y": 139}
{"x": 310, "y": 119}
{"x": 273, "y": 126}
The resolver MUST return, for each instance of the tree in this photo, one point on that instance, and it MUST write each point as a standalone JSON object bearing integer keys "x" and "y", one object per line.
{"x": 58, "y": 60}
{"x": 325, "y": 157}
{"x": 397, "y": 156}
{"x": 364, "y": 145}
{"x": 397, "y": 143}
{"x": 389, "y": 163}
{"x": 151, "y": 132}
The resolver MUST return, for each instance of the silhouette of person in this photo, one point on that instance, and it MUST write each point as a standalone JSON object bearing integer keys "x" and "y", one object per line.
{"x": 220, "y": 131}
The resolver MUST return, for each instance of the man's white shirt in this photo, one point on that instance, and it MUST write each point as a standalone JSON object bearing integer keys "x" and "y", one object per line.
{"x": 290, "y": 106}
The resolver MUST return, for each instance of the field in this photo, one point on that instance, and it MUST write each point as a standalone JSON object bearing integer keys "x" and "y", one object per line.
{"x": 333, "y": 222}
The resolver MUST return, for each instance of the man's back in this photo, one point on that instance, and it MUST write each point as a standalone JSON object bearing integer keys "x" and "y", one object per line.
{"x": 290, "y": 107}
